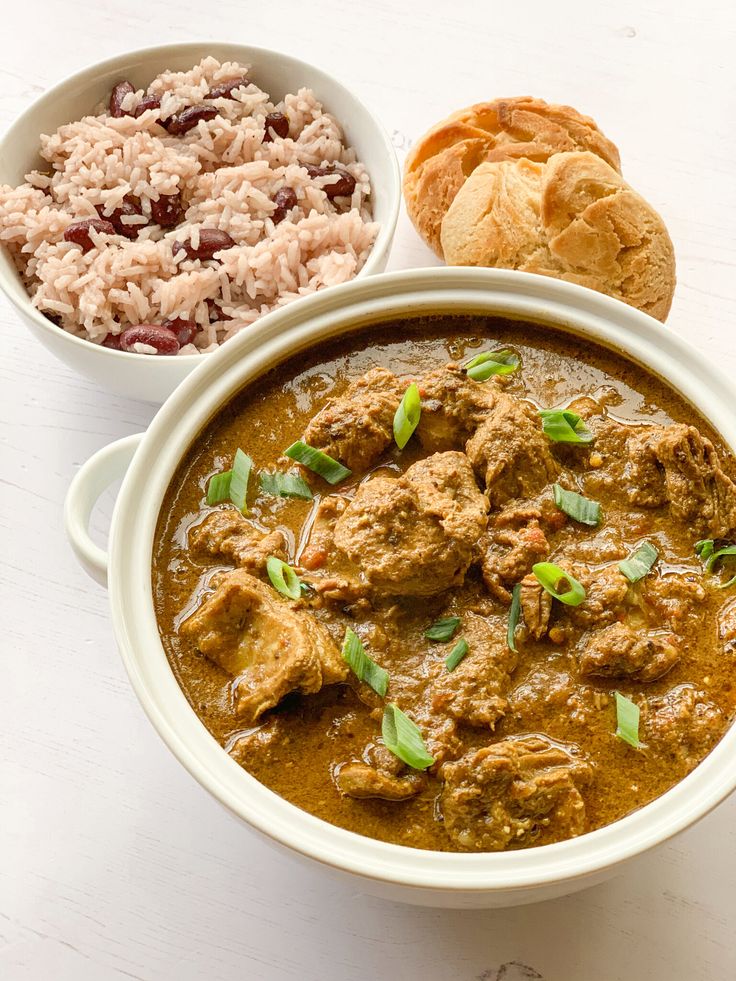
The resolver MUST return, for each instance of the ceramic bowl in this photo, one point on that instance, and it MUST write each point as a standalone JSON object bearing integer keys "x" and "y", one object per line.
{"x": 144, "y": 376}
{"x": 397, "y": 872}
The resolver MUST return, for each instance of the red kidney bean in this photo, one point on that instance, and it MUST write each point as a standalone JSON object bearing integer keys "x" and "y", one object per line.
{"x": 112, "y": 341}
{"x": 344, "y": 186}
{"x": 224, "y": 90}
{"x": 277, "y": 122}
{"x": 183, "y": 329}
{"x": 78, "y": 233}
{"x": 55, "y": 318}
{"x": 188, "y": 118}
{"x": 284, "y": 199}
{"x": 341, "y": 188}
{"x": 168, "y": 210}
{"x": 128, "y": 206}
{"x": 116, "y": 99}
{"x": 147, "y": 102}
{"x": 155, "y": 335}
{"x": 211, "y": 240}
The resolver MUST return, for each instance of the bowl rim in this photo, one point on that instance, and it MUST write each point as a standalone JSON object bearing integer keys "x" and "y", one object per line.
{"x": 200, "y": 48}
{"x": 280, "y": 334}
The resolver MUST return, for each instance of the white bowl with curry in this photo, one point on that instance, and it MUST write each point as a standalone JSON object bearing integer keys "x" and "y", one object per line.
{"x": 424, "y": 578}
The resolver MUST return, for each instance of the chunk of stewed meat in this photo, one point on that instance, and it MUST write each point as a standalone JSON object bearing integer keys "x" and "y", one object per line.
{"x": 536, "y": 607}
{"x": 673, "y": 598}
{"x": 727, "y": 627}
{"x": 267, "y": 646}
{"x": 357, "y": 426}
{"x": 618, "y": 651}
{"x": 517, "y": 792}
{"x": 227, "y": 535}
{"x": 607, "y": 592}
{"x": 453, "y": 406}
{"x": 474, "y": 693}
{"x": 676, "y": 464}
{"x": 415, "y": 535}
{"x": 380, "y": 774}
{"x": 510, "y": 453}
{"x": 508, "y": 552}
{"x": 682, "y": 723}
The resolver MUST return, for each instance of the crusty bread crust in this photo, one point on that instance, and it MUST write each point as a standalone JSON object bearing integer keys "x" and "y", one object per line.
{"x": 573, "y": 217}
{"x": 440, "y": 162}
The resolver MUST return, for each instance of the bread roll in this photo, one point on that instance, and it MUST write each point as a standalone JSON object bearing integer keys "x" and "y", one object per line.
{"x": 573, "y": 217}
{"x": 505, "y": 129}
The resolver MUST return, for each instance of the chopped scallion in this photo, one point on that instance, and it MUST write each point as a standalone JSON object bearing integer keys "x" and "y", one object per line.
{"x": 563, "y": 426}
{"x": 551, "y": 576}
{"x": 627, "y": 720}
{"x": 406, "y": 417}
{"x": 364, "y": 667}
{"x": 242, "y": 466}
{"x": 576, "y": 506}
{"x": 403, "y": 738}
{"x": 457, "y": 653}
{"x": 322, "y": 464}
{"x": 705, "y": 548}
{"x": 640, "y": 562}
{"x": 442, "y": 630}
{"x": 218, "y": 489}
{"x": 283, "y": 578}
{"x": 710, "y": 555}
{"x": 489, "y": 363}
{"x": 285, "y": 485}
{"x": 514, "y": 614}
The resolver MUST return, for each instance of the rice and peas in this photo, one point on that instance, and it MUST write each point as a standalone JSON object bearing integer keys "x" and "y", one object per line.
{"x": 178, "y": 215}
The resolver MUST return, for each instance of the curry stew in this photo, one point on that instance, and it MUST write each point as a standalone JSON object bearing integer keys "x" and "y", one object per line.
{"x": 583, "y": 660}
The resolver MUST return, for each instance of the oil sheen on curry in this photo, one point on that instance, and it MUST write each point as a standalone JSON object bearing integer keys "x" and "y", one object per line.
{"x": 513, "y": 630}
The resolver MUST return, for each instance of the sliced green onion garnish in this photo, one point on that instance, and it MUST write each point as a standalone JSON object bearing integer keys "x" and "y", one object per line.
{"x": 404, "y": 739}
{"x": 442, "y": 630}
{"x": 457, "y": 653}
{"x": 283, "y": 578}
{"x": 406, "y": 417}
{"x": 640, "y": 562}
{"x": 627, "y": 720}
{"x": 322, "y": 464}
{"x": 285, "y": 485}
{"x": 242, "y": 466}
{"x": 576, "y": 506}
{"x": 551, "y": 576}
{"x": 364, "y": 667}
{"x": 218, "y": 489}
{"x": 705, "y": 548}
{"x": 711, "y": 555}
{"x": 489, "y": 363}
{"x": 563, "y": 426}
{"x": 514, "y": 614}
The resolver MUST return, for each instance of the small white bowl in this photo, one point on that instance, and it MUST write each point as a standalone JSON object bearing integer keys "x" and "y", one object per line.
{"x": 148, "y": 377}
{"x": 394, "y": 871}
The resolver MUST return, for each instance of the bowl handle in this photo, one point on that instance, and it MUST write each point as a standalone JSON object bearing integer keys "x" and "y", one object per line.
{"x": 104, "y": 467}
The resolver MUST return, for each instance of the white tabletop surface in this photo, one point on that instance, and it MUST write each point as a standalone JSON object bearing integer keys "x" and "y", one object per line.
{"x": 114, "y": 864}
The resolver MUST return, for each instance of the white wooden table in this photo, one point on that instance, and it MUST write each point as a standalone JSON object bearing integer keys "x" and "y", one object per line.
{"x": 113, "y": 863}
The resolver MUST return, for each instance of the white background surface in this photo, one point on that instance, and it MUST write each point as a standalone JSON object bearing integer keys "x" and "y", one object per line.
{"x": 113, "y": 863}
